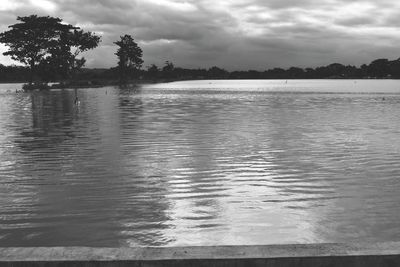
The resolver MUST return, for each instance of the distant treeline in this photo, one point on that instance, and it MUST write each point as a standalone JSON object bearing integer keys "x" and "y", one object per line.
{"x": 50, "y": 51}
{"x": 377, "y": 69}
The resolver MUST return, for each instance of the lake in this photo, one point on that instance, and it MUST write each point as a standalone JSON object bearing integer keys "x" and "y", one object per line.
{"x": 201, "y": 163}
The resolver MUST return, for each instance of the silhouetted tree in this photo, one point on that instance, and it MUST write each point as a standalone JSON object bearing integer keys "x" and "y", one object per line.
{"x": 13, "y": 73}
{"x": 217, "y": 73}
{"x": 379, "y": 68}
{"x": 64, "y": 52}
{"x": 394, "y": 68}
{"x": 169, "y": 66}
{"x": 29, "y": 40}
{"x": 153, "y": 71}
{"x": 129, "y": 56}
{"x": 46, "y": 41}
{"x": 277, "y": 73}
{"x": 309, "y": 73}
{"x": 168, "y": 70}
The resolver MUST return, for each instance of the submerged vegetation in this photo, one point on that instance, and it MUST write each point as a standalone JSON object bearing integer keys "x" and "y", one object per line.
{"x": 50, "y": 51}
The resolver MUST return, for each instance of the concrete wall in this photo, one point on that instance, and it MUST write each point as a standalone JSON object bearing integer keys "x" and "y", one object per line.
{"x": 315, "y": 255}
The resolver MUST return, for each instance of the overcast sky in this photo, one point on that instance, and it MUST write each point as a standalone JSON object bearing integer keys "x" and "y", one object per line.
{"x": 234, "y": 34}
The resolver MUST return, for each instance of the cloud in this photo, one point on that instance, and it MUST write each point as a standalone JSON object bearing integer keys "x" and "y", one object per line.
{"x": 238, "y": 34}
{"x": 356, "y": 21}
{"x": 9, "y": 5}
{"x": 44, "y": 4}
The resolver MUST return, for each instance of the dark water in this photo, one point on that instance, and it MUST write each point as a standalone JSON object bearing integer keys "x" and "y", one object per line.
{"x": 201, "y": 163}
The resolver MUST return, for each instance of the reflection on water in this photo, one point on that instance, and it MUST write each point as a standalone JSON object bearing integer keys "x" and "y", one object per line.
{"x": 201, "y": 163}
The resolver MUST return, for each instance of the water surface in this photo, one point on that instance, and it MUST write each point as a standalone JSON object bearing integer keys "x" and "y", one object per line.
{"x": 201, "y": 163}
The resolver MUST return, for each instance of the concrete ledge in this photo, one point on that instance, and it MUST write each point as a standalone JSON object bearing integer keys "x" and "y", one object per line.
{"x": 332, "y": 255}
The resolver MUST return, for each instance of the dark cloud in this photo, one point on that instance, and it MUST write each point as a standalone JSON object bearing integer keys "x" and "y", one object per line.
{"x": 236, "y": 34}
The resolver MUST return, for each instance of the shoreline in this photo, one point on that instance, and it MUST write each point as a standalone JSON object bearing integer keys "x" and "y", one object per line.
{"x": 324, "y": 254}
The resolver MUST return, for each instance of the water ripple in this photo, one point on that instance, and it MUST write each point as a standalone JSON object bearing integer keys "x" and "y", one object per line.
{"x": 194, "y": 163}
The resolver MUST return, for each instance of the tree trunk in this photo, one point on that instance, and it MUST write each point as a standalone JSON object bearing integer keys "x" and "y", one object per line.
{"x": 122, "y": 75}
{"x": 31, "y": 72}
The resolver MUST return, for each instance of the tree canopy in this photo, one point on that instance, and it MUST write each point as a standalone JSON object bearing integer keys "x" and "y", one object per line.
{"x": 49, "y": 44}
{"x": 129, "y": 56}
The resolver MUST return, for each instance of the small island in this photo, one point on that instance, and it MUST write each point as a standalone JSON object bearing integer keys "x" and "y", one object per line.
{"x": 50, "y": 51}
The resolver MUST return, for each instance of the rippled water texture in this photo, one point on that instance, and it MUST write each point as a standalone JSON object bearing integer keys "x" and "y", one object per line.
{"x": 201, "y": 163}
